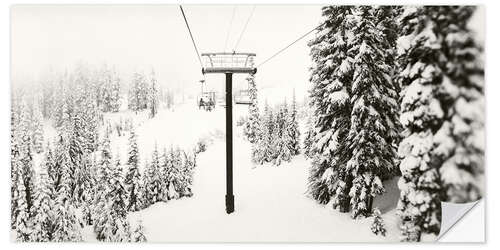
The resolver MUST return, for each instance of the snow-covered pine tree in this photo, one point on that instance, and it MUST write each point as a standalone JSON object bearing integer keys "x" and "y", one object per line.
{"x": 163, "y": 174}
{"x": 293, "y": 127}
{"x": 25, "y": 177}
{"x": 137, "y": 100}
{"x": 115, "y": 92}
{"x": 374, "y": 130}
{"x": 14, "y": 156}
{"x": 37, "y": 128}
{"x": 282, "y": 142}
{"x": 113, "y": 223}
{"x": 23, "y": 220}
{"x": 173, "y": 175}
{"x": 422, "y": 115}
{"x": 460, "y": 142}
{"x": 67, "y": 226}
{"x": 253, "y": 122}
{"x": 133, "y": 176}
{"x": 378, "y": 226}
{"x": 152, "y": 179}
{"x": 153, "y": 101}
{"x": 138, "y": 234}
{"x": 309, "y": 137}
{"x": 188, "y": 164}
{"x": 268, "y": 130}
{"x": 43, "y": 207}
{"x": 331, "y": 78}
{"x": 443, "y": 115}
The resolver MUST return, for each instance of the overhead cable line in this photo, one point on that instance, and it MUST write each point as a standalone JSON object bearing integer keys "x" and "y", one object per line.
{"x": 244, "y": 28}
{"x": 229, "y": 29}
{"x": 191, "y": 35}
{"x": 289, "y": 45}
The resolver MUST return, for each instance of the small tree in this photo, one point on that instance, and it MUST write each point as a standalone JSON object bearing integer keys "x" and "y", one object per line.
{"x": 253, "y": 121}
{"x": 138, "y": 234}
{"x": 43, "y": 205}
{"x": 133, "y": 176}
{"x": 378, "y": 226}
{"x": 153, "y": 96}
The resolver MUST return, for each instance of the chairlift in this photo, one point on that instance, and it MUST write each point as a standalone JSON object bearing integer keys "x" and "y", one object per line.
{"x": 243, "y": 97}
{"x": 206, "y": 99}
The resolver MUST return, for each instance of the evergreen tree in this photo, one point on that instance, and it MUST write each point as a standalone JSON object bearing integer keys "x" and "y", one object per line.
{"x": 133, "y": 176}
{"x": 37, "y": 128}
{"x": 378, "y": 226}
{"x": 138, "y": 234}
{"x": 25, "y": 178}
{"x": 309, "y": 137}
{"x": 293, "y": 127}
{"x": 253, "y": 122}
{"x": 442, "y": 113}
{"x": 43, "y": 205}
{"x": 115, "y": 92}
{"x": 138, "y": 93}
{"x": 331, "y": 76}
{"x": 153, "y": 96}
{"x": 373, "y": 132}
{"x": 282, "y": 142}
{"x": 460, "y": 140}
{"x": 163, "y": 173}
{"x": 23, "y": 222}
{"x": 421, "y": 116}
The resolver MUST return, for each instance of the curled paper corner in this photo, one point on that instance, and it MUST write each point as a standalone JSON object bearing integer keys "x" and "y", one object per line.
{"x": 451, "y": 213}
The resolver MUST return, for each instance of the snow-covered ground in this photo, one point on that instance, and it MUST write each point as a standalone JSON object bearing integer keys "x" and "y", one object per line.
{"x": 270, "y": 201}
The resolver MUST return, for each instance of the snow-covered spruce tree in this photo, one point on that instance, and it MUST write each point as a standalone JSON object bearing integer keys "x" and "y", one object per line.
{"x": 282, "y": 142}
{"x": 66, "y": 224}
{"x": 374, "y": 129}
{"x": 293, "y": 127}
{"x": 67, "y": 227}
{"x": 25, "y": 178}
{"x": 133, "y": 176}
{"x": 103, "y": 186}
{"x": 153, "y": 101}
{"x": 422, "y": 116}
{"x": 252, "y": 123}
{"x": 309, "y": 136}
{"x": 152, "y": 181}
{"x": 23, "y": 220}
{"x": 43, "y": 207}
{"x": 138, "y": 234}
{"x": 187, "y": 170}
{"x": 138, "y": 93}
{"x": 14, "y": 163}
{"x": 378, "y": 226}
{"x": 331, "y": 78}
{"x": 163, "y": 175}
{"x": 37, "y": 128}
{"x": 115, "y": 92}
{"x": 113, "y": 224}
{"x": 172, "y": 176}
{"x": 443, "y": 115}
{"x": 268, "y": 129}
{"x": 460, "y": 141}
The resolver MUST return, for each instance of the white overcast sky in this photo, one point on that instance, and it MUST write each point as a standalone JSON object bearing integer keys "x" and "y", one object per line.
{"x": 141, "y": 37}
{"x": 138, "y": 37}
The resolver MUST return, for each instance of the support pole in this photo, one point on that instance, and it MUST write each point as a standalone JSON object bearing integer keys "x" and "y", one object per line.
{"x": 229, "y": 144}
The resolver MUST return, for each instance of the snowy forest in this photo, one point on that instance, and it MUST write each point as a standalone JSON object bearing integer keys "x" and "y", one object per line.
{"x": 391, "y": 125}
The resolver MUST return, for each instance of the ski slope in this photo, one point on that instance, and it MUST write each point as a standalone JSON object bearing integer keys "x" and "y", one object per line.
{"x": 270, "y": 204}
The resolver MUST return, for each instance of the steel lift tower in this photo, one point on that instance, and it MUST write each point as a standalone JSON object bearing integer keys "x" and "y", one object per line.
{"x": 229, "y": 63}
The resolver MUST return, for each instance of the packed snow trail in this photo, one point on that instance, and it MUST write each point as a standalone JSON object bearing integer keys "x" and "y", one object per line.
{"x": 270, "y": 206}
